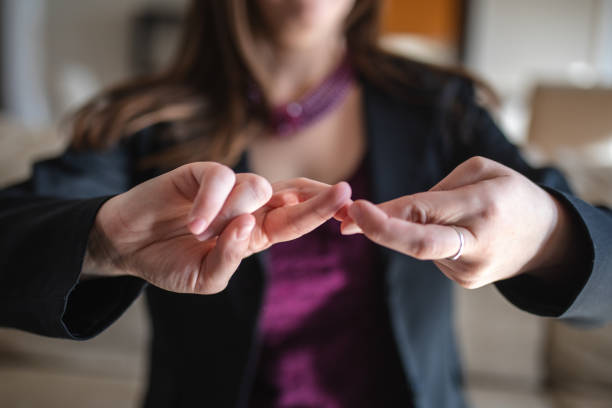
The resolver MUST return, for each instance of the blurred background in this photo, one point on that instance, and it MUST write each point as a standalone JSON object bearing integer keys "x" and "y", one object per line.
{"x": 549, "y": 60}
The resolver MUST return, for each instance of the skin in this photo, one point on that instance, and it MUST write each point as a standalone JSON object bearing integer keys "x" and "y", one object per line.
{"x": 188, "y": 230}
{"x": 302, "y": 43}
{"x": 510, "y": 225}
{"x": 504, "y": 235}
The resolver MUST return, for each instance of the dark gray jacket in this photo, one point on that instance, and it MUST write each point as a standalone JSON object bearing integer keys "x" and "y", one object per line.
{"x": 204, "y": 348}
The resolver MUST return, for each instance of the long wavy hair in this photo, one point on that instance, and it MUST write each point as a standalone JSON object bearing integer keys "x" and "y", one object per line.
{"x": 202, "y": 97}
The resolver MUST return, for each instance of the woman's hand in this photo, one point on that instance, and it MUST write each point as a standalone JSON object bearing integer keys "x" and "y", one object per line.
{"x": 188, "y": 230}
{"x": 510, "y": 225}
{"x": 296, "y": 207}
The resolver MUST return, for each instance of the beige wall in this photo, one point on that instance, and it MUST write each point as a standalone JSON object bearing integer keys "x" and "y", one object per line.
{"x": 61, "y": 51}
{"x": 90, "y": 40}
{"x": 515, "y": 44}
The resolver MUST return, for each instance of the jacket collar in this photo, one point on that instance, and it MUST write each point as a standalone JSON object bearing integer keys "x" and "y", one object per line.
{"x": 398, "y": 136}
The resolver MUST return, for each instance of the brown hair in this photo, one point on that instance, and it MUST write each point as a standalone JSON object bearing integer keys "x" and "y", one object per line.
{"x": 202, "y": 98}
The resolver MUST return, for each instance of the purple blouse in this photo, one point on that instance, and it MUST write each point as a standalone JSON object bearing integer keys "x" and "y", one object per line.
{"x": 326, "y": 339}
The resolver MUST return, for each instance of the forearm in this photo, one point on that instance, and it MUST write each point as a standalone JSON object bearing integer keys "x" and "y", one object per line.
{"x": 43, "y": 244}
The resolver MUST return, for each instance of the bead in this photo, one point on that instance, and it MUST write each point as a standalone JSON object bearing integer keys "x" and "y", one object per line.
{"x": 294, "y": 110}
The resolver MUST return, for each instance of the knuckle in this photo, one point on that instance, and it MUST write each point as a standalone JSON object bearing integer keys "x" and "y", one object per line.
{"x": 259, "y": 187}
{"x": 478, "y": 164}
{"x": 417, "y": 213}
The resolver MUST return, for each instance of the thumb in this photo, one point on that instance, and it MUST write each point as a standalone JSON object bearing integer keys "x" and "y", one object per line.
{"x": 221, "y": 263}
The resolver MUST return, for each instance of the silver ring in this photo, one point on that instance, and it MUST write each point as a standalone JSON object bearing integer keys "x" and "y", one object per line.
{"x": 461, "y": 243}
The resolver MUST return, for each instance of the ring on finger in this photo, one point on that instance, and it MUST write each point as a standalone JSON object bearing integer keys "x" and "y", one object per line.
{"x": 461, "y": 244}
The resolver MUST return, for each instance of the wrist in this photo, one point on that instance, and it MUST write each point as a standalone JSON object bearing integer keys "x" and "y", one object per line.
{"x": 558, "y": 253}
{"x": 102, "y": 259}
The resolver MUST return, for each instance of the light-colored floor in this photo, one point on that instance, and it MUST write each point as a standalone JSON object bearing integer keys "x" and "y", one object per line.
{"x": 110, "y": 370}
{"x": 34, "y": 388}
{"x": 107, "y": 371}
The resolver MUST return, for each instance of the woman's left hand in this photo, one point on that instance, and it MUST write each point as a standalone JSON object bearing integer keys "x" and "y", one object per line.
{"x": 509, "y": 224}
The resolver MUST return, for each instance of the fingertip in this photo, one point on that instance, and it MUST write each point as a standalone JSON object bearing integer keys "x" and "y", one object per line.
{"x": 245, "y": 227}
{"x": 366, "y": 214}
{"x": 344, "y": 189}
{"x": 268, "y": 189}
{"x": 340, "y": 195}
{"x": 223, "y": 260}
{"x": 196, "y": 225}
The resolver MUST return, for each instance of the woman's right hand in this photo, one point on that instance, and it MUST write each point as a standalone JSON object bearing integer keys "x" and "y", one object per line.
{"x": 188, "y": 230}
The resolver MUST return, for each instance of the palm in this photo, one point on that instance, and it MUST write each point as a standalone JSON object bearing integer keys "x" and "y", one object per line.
{"x": 160, "y": 246}
{"x": 174, "y": 264}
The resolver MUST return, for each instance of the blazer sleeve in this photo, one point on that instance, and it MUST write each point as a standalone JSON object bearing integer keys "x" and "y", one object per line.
{"x": 470, "y": 131}
{"x": 45, "y": 223}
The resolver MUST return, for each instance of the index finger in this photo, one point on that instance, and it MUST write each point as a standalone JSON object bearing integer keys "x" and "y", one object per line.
{"x": 290, "y": 222}
{"x": 431, "y": 207}
{"x": 301, "y": 184}
{"x": 421, "y": 241}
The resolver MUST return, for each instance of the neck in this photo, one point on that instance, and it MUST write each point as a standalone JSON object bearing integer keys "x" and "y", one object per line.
{"x": 288, "y": 74}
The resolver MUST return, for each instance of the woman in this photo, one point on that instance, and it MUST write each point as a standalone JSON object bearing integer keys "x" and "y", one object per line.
{"x": 290, "y": 89}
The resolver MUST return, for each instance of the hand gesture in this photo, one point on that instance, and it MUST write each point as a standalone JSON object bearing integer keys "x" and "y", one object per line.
{"x": 492, "y": 220}
{"x": 188, "y": 230}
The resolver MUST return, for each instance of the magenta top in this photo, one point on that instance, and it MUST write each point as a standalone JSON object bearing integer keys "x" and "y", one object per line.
{"x": 325, "y": 336}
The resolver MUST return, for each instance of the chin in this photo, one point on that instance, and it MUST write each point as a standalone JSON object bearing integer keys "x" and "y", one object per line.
{"x": 305, "y": 39}
{"x": 305, "y": 23}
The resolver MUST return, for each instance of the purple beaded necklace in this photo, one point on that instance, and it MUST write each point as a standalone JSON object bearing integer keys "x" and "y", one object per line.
{"x": 289, "y": 118}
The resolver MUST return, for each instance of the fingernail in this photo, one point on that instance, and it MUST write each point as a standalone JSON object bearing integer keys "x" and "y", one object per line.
{"x": 244, "y": 232}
